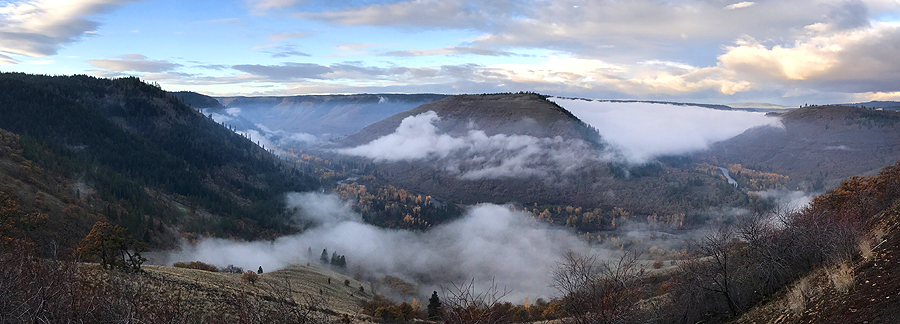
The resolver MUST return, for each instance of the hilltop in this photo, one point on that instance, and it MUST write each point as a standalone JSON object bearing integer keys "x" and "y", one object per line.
{"x": 521, "y": 114}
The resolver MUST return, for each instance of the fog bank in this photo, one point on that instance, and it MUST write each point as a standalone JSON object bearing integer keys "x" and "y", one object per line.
{"x": 476, "y": 155}
{"x": 490, "y": 242}
{"x": 641, "y": 131}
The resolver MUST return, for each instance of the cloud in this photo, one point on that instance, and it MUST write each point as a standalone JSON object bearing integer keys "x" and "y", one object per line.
{"x": 855, "y": 60}
{"x": 282, "y": 138}
{"x": 262, "y": 6}
{"x": 877, "y": 96}
{"x": 135, "y": 62}
{"x": 642, "y": 131}
{"x": 739, "y": 5}
{"x": 288, "y": 53}
{"x": 419, "y": 13}
{"x": 475, "y": 155}
{"x": 7, "y": 60}
{"x": 452, "y": 50}
{"x": 283, "y": 36}
{"x": 42, "y": 27}
{"x": 354, "y": 47}
{"x": 641, "y": 29}
{"x": 490, "y": 242}
{"x": 850, "y": 14}
{"x": 287, "y": 71}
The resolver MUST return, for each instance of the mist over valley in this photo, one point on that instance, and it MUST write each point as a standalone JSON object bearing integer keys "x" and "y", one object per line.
{"x": 501, "y": 201}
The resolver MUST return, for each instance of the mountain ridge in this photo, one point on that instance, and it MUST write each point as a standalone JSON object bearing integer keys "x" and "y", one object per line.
{"x": 521, "y": 114}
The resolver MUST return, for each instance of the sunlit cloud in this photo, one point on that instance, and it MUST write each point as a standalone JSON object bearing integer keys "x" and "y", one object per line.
{"x": 851, "y": 60}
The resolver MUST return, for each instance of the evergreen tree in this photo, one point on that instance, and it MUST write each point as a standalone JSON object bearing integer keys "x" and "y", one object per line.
{"x": 324, "y": 256}
{"x": 260, "y": 270}
{"x": 434, "y": 306}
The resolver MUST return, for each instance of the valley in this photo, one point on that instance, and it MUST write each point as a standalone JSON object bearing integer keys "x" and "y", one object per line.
{"x": 516, "y": 207}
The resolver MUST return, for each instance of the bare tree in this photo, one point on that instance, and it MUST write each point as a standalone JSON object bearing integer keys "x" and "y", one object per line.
{"x": 599, "y": 292}
{"x": 465, "y": 304}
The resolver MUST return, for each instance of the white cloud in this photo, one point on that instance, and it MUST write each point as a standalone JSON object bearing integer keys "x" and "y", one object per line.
{"x": 642, "y": 131}
{"x": 476, "y": 155}
{"x": 739, "y": 5}
{"x": 41, "y": 27}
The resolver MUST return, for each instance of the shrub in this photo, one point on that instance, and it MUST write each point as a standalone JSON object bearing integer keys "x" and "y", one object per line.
{"x": 842, "y": 278}
{"x": 232, "y": 269}
{"x": 250, "y": 276}
{"x": 196, "y": 265}
{"x": 798, "y": 295}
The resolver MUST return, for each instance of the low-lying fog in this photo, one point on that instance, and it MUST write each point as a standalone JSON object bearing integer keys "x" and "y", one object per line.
{"x": 642, "y": 131}
{"x": 490, "y": 242}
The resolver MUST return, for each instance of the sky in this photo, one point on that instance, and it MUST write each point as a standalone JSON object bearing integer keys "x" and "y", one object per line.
{"x": 710, "y": 51}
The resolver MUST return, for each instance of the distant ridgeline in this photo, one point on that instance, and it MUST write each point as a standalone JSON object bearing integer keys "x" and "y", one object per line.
{"x": 87, "y": 149}
{"x": 710, "y": 106}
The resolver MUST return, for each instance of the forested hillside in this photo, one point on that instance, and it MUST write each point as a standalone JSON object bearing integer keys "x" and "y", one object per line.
{"x": 541, "y": 157}
{"x": 818, "y": 147}
{"x": 150, "y": 162}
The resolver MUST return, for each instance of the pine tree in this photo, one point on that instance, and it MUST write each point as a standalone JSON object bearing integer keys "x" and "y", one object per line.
{"x": 260, "y": 270}
{"x": 324, "y": 256}
{"x": 434, "y": 306}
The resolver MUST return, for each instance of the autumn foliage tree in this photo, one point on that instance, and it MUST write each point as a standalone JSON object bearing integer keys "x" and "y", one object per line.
{"x": 16, "y": 224}
{"x": 112, "y": 247}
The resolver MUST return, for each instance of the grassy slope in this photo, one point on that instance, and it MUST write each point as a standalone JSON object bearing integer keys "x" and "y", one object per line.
{"x": 300, "y": 280}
